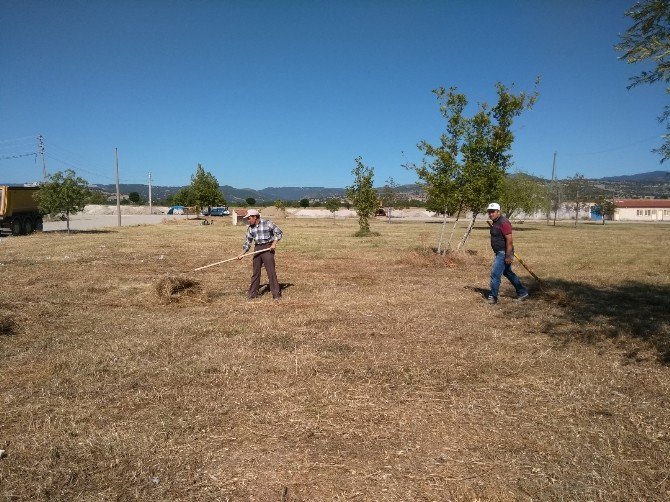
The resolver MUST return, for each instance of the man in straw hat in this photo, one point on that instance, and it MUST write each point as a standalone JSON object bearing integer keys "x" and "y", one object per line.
{"x": 503, "y": 249}
{"x": 265, "y": 235}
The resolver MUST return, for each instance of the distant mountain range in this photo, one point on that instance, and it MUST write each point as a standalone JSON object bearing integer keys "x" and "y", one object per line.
{"x": 650, "y": 184}
{"x": 650, "y": 177}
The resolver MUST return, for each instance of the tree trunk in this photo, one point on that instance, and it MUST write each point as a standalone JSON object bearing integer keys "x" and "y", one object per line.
{"x": 467, "y": 232}
{"x": 444, "y": 224}
{"x": 576, "y": 213}
{"x": 453, "y": 229}
{"x": 555, "y": 213}
{"x": 67, "y": 221}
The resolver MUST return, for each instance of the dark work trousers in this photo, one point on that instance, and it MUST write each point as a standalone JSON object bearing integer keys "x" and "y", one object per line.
{"x": 266, "y": 259}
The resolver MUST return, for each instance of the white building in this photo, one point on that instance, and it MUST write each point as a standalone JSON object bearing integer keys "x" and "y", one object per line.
{"x": 642, "y": 210}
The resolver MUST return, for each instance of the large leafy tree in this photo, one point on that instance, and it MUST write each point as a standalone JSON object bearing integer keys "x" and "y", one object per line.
{"x": 648, "y": 40}
{"x": 362, "y": 195}
{"x": 466, "y": 170}
{"x": 521, "y": 193}
{"x": 203, "y": 191}
{"x": 63, "y": 193}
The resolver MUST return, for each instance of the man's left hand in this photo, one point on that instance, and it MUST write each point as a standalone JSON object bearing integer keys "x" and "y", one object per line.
{"x": 508, "y": 259}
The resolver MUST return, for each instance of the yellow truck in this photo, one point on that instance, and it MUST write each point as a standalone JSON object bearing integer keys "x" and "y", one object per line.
{"x": 18, "y": 210}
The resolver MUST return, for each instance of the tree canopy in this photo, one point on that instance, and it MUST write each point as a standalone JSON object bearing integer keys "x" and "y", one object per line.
{"x": 63, "y": 193}
{"x": 466, "y": 170}
{"x": 648, "y": 40}
{"x": 202, "y": 192}
{"x": 363, "y": 195}
{"x": 333, "y": 204}
{"x": 521, "y": 193}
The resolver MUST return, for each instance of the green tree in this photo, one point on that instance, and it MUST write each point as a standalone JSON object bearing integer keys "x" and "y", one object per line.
{"x": 134, "y": 197}
{"x": 465, "y": 171}
{"x": 304, "y": 202}
{"x": 486, "y": 151}
{"x": 363, "y": 196}
{"x": 442, "y": 164}
{"x": 333, "y": 204}
{"x": 648, "y": 41}
{"x": 281, "y": 206}
{"x": 63, "y": 193}
{"x": 576, "y": 191}
{"x": 522, "y": 193}
{"x": 390, "y": 198}
{"x": 96, "y": 197}
{"x": 183, "y": 197}
{"x": 250, "y": 200}
{"x": 204, "y": 190}
{"x": 606, "y": 208}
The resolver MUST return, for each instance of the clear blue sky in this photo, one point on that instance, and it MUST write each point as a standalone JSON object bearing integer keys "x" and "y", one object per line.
{"x": 272, "y": 93}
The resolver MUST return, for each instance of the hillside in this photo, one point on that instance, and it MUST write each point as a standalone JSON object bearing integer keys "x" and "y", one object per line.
{"x": 652, "y": 184}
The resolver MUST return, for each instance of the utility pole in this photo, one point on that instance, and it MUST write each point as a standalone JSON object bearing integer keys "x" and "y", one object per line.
{"x": 555, "y": 190}
{"x": 150, "y": 206}
{"x": 40, "y": 148}
{"x": 553, "y": 169}
{"x": 118, "y": 192}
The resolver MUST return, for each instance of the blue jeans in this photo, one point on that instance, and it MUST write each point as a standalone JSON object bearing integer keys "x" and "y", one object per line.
{"x": 501, "y": 268}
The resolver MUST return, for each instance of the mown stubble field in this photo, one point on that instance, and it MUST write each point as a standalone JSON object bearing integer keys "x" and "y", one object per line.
{"x": 380, "y": 375}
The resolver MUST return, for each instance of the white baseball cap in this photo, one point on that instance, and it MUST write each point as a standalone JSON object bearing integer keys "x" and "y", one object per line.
{"x": 493, "y": 206}
{"x": 252, "y": 212}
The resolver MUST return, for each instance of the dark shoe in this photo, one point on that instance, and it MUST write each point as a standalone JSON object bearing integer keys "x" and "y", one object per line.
{"x": 491, "y": 299}
{"x": 522, "y": 297}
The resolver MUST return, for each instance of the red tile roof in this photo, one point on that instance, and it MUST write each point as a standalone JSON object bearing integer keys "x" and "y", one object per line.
{"x": 643, "y": 203}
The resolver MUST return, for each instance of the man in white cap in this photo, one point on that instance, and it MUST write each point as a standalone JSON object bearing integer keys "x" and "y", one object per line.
{"x": 503, "y": 249}
{"x": 265, "y": 235}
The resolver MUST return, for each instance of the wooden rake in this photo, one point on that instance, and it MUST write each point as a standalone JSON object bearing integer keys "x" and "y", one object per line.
{"x": 231, "y": 259}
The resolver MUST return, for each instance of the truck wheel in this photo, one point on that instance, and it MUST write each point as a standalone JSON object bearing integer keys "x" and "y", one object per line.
{"x": 39, "y": 224}
{"x": 16, "y": 226}
{"x": 28, "y": 226}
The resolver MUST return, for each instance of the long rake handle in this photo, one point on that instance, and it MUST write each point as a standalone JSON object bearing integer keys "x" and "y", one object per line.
{"x": 518, "y": 258}
{"x": 231, "y": 259}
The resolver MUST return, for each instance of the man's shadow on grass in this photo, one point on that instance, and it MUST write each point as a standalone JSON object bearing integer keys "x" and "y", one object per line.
{"x": 589, "y": 314}
{"x": 265, "y": 288}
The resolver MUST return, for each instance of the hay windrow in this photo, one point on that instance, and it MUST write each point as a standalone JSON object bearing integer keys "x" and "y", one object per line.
{"x": 7, "y": 324}
{"x": 170, "y": 287}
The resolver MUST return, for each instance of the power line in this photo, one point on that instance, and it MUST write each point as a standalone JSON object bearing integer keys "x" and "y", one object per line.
{"x": 5, "y": 157}
{"x": 17, "y": 140}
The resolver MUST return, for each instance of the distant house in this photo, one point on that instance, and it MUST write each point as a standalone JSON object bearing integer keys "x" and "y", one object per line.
{"x": 642, "y": 210}
{"x": 239, "y": 214}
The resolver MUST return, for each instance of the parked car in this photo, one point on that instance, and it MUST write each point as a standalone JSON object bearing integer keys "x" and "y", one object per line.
{"x": 216, "y": 211}
{"x": 176, "y": 210}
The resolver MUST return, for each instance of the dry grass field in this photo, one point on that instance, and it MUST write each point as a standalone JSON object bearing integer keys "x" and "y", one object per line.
{"x": 380, "y": 376}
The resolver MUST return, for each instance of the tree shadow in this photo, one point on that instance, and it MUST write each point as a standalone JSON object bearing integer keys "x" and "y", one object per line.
{"x": 587, "y": 313}
{"x": 79, "y": 231}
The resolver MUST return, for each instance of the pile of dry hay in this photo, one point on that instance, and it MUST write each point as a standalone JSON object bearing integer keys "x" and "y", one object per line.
{"x": 7, "y": 324}
{"x": 169, "y": 287}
